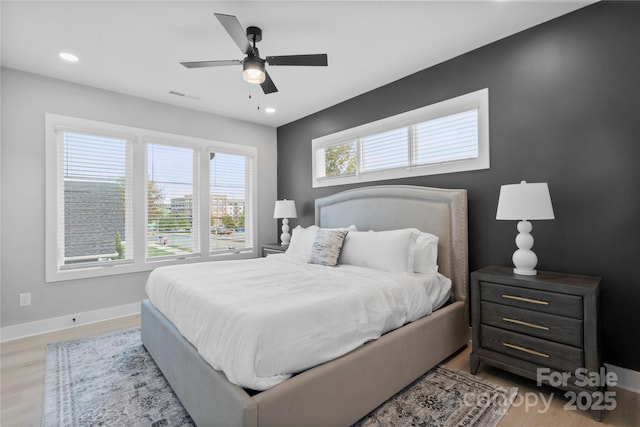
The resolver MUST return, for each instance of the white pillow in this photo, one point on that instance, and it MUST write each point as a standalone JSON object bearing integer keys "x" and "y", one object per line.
{"x": 425, "y": 256}
{"x": 384, "y": 250}
{"x": 301, "y": 242}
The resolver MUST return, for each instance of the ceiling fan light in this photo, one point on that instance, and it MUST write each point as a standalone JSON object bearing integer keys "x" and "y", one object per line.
{"x": 253, "y": 72}
{"x": 254, "y": 76}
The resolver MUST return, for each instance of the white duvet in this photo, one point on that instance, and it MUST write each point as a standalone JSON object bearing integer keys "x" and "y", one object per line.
{"x": 262, "y": 320}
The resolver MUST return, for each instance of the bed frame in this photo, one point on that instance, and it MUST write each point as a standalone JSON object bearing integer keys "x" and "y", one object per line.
{"x": 341, "y": 391}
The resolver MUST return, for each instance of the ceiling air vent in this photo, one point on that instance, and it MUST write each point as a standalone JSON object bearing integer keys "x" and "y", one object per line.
{"x": 173, "y": 92}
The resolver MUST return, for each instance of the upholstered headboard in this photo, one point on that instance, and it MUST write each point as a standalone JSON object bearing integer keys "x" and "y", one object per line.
{"x": 438, "y": 211}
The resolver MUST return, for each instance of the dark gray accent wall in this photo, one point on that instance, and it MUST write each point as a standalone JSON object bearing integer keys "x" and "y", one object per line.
{"x": 564, "y": 103}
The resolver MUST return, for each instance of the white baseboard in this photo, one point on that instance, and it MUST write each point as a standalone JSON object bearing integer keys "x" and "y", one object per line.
{"x": 627, "y": 379}
{"x": 23, "y": 330}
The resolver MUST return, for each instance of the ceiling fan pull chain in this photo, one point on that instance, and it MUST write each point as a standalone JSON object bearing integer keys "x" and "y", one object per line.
{"x": 251, "y": 97}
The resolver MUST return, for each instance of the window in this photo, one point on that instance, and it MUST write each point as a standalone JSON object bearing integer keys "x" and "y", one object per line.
{"x": 95, "y": 204}
{"x": 447, "y": 139}
{"x": 336, "y": 160}
{"x": 172, "y": 202}
{"x": 231, "y": 211}
{"x": 450, "y": 136}
{"x": 386, "y": 150}
{"x": 122, "y": 199}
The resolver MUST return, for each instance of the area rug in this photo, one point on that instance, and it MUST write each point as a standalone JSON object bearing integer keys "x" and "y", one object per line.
{"x": 444, "y": 397}
{"x": 110, "y": 380}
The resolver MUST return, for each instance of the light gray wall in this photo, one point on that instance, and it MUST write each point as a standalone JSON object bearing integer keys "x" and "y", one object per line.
{"x": 25, "y": 100}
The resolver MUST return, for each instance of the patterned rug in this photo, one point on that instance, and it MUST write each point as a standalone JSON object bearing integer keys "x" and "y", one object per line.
{"x": 110, "y": 380}
{"x": 444, "y": 397}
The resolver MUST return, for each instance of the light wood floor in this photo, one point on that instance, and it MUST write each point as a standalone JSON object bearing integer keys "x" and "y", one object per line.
{"x": 22, "y": 370}
{"x": 23, "y": 362}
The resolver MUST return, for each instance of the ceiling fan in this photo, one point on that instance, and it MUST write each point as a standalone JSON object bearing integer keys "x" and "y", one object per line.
{"x": 253, "y": 66}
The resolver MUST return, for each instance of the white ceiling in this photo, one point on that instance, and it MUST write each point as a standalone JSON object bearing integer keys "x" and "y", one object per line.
{"x": 135, "y": 47}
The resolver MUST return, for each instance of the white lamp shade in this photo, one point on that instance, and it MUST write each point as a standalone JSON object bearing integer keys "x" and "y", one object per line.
{"x": 285, "y": 209}
{"x": 525, "y": 202}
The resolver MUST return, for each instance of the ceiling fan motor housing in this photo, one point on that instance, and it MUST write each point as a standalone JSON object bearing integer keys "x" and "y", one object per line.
{"x": 253, "y": 62}
{"x": 254, "y": 34}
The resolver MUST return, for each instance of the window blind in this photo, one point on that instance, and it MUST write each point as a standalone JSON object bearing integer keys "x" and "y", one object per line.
{"x": 445, "y": 139}
{"x": 386, "y": 150}
{"x": 448, "y": 138}
{"x": 172, "y": 201}
{"x": 94, "y": 224}
{"x": 231, "y": 207}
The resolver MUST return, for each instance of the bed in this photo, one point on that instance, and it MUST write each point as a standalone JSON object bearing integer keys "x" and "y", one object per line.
{"x": 343, "y": 390}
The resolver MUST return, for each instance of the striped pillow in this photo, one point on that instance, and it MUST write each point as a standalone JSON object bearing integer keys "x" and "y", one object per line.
{"x": 326, "y": 247}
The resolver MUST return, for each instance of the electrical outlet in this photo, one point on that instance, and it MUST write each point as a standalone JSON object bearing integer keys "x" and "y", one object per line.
{"x": 25, "y": 299}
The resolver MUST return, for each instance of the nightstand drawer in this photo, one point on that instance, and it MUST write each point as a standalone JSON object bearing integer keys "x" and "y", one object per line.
{"x": 542, "y": 325}
{"x": 267, "y": 251}
{"x": 542, "y": 352}
{"x": 531, "y": 299}
{"x": 273, "y": 248}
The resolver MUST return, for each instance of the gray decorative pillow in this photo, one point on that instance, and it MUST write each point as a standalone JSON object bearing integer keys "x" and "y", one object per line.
{"x": 326, "y": 247}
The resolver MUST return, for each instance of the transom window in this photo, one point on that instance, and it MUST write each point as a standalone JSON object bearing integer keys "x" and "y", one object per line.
{"x": 450, "y": 136}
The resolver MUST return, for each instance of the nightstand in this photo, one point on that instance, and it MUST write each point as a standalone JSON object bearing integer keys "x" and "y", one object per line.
{"x": 273, "y": 248}
{"x": 544, "y": 327}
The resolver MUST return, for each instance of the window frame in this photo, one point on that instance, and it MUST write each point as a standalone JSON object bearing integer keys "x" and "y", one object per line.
{"x": 251, "y": 176}
{"x": 197, "y": 195}
{"x": 128, "y": 199}
{"x": 475, "y": 100}
{"x": 139, "y": 139}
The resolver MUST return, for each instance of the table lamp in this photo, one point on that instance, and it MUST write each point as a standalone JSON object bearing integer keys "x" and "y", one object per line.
{"x": 524, "y": 202}
{"x": 285, "y": 209}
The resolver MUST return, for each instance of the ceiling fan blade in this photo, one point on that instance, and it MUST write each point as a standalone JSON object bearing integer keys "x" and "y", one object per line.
{"x": 268, "y": 86}
{"x": 319, "y": 60}
{"x": 203, "y": 64}
{"x": 235, "y": 30}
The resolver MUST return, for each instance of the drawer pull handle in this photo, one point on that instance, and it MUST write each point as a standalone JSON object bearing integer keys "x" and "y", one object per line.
{"x": 530, "y": 300}
{"x": 526, "y": 350}
{"x": 520, "y": 322}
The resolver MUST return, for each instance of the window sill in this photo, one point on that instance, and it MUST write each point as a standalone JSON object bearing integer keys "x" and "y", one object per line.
{"x": 116, "y": 269}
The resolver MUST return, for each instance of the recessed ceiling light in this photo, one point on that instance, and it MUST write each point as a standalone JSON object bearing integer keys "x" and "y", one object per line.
{"x": 269, "y": 110}
{"x": 68, "y": 57}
